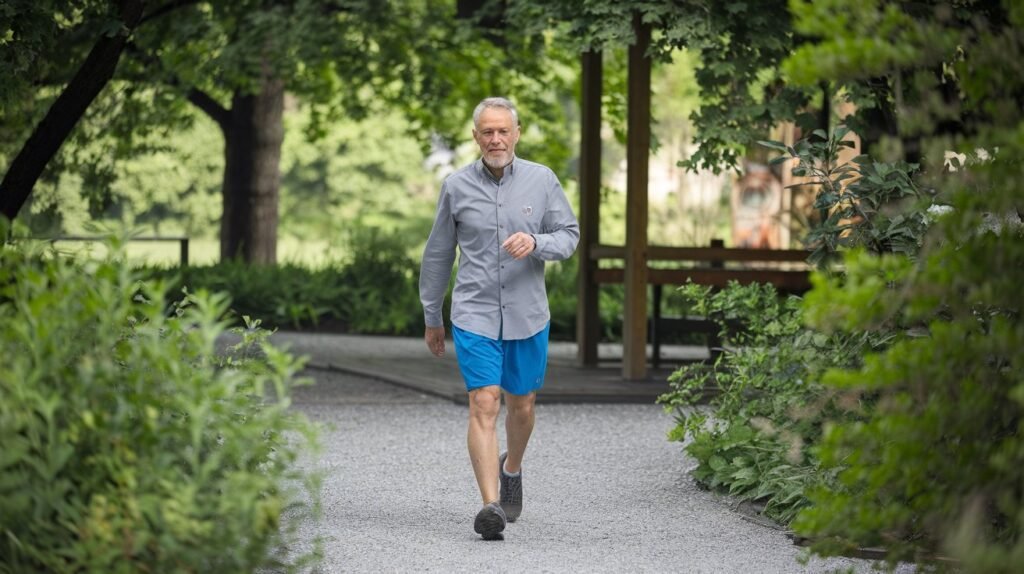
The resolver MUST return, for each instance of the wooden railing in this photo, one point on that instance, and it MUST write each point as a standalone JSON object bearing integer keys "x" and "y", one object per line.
{"x": 786, "y": 269}
{"x": 715, "y": 266}
{"x": 182, "y": 243}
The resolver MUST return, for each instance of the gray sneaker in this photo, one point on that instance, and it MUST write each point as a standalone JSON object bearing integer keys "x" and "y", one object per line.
{"x": 511, "y": 490}
{"x": 490, "y": 521}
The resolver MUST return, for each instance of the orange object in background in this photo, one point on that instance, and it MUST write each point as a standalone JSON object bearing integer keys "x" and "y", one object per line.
{"x": 756, "y": 208}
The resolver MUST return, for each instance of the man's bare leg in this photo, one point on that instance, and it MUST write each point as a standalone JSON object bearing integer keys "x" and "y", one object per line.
{"x": 518, "y": 428}
{"x": 482, "y": 439}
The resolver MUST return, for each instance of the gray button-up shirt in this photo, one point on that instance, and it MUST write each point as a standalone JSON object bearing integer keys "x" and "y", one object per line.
{"x": 495, "y": 295}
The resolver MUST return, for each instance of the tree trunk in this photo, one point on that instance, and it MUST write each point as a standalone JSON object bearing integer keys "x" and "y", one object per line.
{"x": 253, "y": 135}
{"x": 56, "y": 126}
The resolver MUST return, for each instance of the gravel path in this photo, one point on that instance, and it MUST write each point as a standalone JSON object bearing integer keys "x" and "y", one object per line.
{"x": 604, "y": 492}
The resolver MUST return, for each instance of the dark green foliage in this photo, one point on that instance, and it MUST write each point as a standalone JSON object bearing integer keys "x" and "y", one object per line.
{"x": 560, "y": 280}
{"x": 766, "y": 397}
{"x": 931, "y": 454}
{"x": 766, "y": 402}
{"x": 129, "y": 445}
{"x": 739, "y": 43}
{"x": 862, "y": 203}
{"x": 383, "y": 284}
{"x": 934, "y": 462}
{"x": 375, "y": 290}
{"x": 285, "y": 295}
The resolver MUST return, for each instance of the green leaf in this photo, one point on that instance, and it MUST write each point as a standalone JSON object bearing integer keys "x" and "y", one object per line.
{"x": 717, "y": 463}
{"x": 779, "y": 146}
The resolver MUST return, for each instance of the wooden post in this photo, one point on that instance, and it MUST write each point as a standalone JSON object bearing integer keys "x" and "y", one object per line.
{"x": 717, "y": 244}
{"x": 638, "y": 145}
{"x": 588, "y": 329}
{"x": 183, "y": 252}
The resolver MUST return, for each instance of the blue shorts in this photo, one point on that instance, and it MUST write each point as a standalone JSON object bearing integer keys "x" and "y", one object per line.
{"x": 516, "y": 366}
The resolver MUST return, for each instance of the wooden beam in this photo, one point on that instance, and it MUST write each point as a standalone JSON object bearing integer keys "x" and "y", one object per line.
{"x": 787, "y": 281}
{"x": 638, "y": 145}
{"x": 727, "y": 254}
{"x": 706, "y": 254}
{"x": 588, "y": 328}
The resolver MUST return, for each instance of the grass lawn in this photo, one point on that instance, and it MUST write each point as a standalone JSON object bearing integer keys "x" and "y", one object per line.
{"x": 311, "y": 253}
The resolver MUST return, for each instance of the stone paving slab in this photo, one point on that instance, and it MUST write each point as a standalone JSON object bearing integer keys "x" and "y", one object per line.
{"x": 405, "y": 361}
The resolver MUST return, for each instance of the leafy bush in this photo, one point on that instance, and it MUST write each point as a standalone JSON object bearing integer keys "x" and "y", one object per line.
{"x": 862, "y": 203}
{"x": 560, "y": 280}
{"x": 932, "y": 463}
{"x": 767, "y": 405}
{"x": 382, "y": 282}
{"x": 374, "y": 291}
{"x": 128, "y": 444}
{"x": 285, "y": 295}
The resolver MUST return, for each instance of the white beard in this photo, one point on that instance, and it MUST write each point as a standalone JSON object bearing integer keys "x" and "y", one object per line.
{"x": 501, "y": 163}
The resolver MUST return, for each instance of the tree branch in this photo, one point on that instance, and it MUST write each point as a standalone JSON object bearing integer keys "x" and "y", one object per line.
{"x": 62, "y": 117}
{"x": 210, "y": 107}
{"x": 200, "y": 99}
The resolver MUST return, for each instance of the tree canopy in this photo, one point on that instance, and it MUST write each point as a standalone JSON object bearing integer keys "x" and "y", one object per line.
{"x": 234, "y": 61}
{"x": 739, "y": 45}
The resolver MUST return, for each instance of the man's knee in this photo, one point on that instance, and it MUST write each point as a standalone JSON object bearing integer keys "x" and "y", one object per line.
{"x": 485, "y": 403}
{"x": 519, "y": 406}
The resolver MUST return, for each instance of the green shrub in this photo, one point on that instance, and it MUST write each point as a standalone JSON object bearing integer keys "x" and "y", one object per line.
{"x": 129, "y": 445}
{"x": 382, "y": 283}
{"x": 374, "y": 290}
{"x": 285, "y": 295}
{"x": 862, "y": 203}
{"x": 769, "y": 406}
{"x": 933, "y": 462}
{"x": 766, "y": 402}
{"x": 931, "y": 456}
{"x": 562, "y": 289}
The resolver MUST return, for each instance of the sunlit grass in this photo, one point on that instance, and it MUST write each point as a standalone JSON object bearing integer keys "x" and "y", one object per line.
{"x": 205, "y": 251}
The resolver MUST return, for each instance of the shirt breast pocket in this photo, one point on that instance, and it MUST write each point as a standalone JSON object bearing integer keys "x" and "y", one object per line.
{"x": 529, "y": 214}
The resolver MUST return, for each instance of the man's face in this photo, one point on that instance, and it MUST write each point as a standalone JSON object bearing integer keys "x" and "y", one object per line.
{"x": 497, "y": 136}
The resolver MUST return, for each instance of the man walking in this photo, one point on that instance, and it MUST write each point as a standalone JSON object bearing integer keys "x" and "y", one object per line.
{"x": 507, "y": 216}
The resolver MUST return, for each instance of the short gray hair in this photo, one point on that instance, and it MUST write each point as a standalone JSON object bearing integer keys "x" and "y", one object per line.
{"x": 501, "y": 103}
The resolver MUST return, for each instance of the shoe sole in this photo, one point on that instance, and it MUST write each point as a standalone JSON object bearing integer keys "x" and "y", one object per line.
{"x": 489, "y": 525}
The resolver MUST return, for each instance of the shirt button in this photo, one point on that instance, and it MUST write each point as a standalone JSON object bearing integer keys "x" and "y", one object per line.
{"x": 501, "y": 226}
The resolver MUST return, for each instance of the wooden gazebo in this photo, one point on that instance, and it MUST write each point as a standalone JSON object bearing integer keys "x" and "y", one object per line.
{"x": 636, "y": 275}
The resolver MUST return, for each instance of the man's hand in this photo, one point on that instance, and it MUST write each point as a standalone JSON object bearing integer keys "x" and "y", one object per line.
{"x": 435, "y": 340}
{"x": 519, "y": 245}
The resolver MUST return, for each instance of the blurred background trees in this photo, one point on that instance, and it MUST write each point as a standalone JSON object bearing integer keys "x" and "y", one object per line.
{"x": 155, "y": 148}
{"x": 242, "y": 65}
